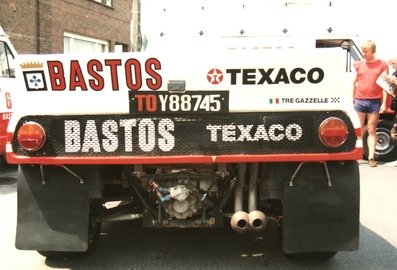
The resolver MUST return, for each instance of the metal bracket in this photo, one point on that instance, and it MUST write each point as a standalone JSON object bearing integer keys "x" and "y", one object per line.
{"x": 43, "y": 180}
{"x": 329, "y": 182}
{"x": 327, "y": 173}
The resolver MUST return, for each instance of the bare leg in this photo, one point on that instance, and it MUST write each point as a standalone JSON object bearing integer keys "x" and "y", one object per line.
{"x": 372, "y": 139}
{"x": 362, "y": 117}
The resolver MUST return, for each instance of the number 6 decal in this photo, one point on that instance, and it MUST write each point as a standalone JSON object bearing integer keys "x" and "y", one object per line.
{"x": 8, "y": 100}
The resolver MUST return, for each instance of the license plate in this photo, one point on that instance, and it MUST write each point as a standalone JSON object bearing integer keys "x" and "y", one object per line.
{"x": 186, "y": 102}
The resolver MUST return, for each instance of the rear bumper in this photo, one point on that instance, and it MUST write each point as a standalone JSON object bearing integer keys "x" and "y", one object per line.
{"x": 356, "y": 154}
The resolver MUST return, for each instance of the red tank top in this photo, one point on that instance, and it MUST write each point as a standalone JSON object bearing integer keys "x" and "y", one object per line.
{"x": 367, "y": 73}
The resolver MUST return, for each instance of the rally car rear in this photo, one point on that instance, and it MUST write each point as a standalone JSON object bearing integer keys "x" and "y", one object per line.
{"x": 240, "y": 138}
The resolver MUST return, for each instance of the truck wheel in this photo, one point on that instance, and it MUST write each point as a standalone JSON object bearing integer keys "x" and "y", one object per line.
{"x": 385, "y": 149}
{"x": 94, "y": 232}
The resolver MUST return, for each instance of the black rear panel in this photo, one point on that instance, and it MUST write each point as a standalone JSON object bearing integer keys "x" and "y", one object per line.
{"x": 200, "y": 134}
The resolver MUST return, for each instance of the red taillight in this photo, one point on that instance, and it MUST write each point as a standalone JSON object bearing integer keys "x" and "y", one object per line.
{"x": 31, "y": 136}
{"x": 333, "y": 132}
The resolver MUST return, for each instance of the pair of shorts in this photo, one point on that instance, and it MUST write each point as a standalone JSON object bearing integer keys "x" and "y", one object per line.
{"x": 367, "y": 105}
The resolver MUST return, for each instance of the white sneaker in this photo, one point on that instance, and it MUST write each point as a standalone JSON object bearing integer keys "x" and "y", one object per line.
{"x": 391, "y": 164}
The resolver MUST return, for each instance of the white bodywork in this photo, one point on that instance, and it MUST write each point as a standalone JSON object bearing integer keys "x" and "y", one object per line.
{"x": 247, "y": 92}
{"x": 7, "y": 85}
{"x": 192, "y": 45}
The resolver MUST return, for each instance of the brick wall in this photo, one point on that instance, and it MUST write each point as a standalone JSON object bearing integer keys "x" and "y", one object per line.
{"x": 38, "y": 26}
{"x": 18, "y": 19}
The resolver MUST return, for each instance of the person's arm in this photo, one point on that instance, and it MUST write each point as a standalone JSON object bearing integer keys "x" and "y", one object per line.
{"x": 383, "y": 107}
{"x": 354, "y": 80}
{"x": 354, "y": 86}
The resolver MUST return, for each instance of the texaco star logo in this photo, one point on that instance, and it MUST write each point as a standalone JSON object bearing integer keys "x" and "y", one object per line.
{"x": 215, "y": 76}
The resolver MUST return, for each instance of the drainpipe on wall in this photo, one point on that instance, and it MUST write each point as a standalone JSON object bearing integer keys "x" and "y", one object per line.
{"x": 135, "y": 35}
{"x": 38, "y": 26}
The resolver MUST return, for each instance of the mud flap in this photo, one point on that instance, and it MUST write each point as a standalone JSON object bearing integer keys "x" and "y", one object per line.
{"x": 321, "y": 215}
{"x": 51, "y": 216}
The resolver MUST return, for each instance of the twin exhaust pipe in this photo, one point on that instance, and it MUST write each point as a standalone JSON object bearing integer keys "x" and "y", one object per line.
{"x": 254, "y": 221}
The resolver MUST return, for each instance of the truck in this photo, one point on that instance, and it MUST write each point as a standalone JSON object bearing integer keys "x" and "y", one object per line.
{"x": 7, "y": 86}
{"x": 385, "y": 149}
{"x": 195, "y": 129}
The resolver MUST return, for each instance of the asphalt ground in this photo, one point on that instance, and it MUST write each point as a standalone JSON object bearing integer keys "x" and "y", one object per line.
{"x": 125, "y": 245}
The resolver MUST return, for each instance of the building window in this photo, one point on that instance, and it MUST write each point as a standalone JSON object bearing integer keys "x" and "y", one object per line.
{"x": 73, "y": 43}
{"x": 120, "y": 47}
{"x": 104, "y": 2}
{"x": 7, "y": 62}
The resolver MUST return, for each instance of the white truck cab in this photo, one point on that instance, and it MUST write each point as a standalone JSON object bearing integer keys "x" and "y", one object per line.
{"x": 7, "y": 87}
{"x": 232, "y": 130}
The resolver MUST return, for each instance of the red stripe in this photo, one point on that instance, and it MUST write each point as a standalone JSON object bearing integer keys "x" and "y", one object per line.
{"x": 3, "y": 132}
{"x": 356, "y": 154}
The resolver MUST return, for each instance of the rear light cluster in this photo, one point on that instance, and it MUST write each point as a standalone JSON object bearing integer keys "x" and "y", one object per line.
{"x": 333, "y": 132}
{"x": 31, "y": 136}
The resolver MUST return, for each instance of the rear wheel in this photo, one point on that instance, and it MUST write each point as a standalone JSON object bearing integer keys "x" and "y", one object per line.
{"x": 385, "y": 149}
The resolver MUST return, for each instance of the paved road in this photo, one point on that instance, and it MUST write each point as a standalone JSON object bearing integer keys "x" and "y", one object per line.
{"x": 127, "y": 246}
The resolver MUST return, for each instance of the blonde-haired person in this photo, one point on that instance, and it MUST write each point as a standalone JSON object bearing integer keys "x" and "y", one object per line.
{"x": 369, "y": 97}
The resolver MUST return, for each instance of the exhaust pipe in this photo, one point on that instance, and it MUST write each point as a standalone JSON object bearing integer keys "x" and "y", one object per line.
{"x": 238, "y": 192}
{"x": 257, "y": 221}
{"x": 253, "y": 182}
{"x": 240, "y": 222}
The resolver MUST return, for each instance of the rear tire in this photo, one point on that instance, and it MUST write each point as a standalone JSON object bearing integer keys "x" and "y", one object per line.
{"x": 385, "y": 149}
